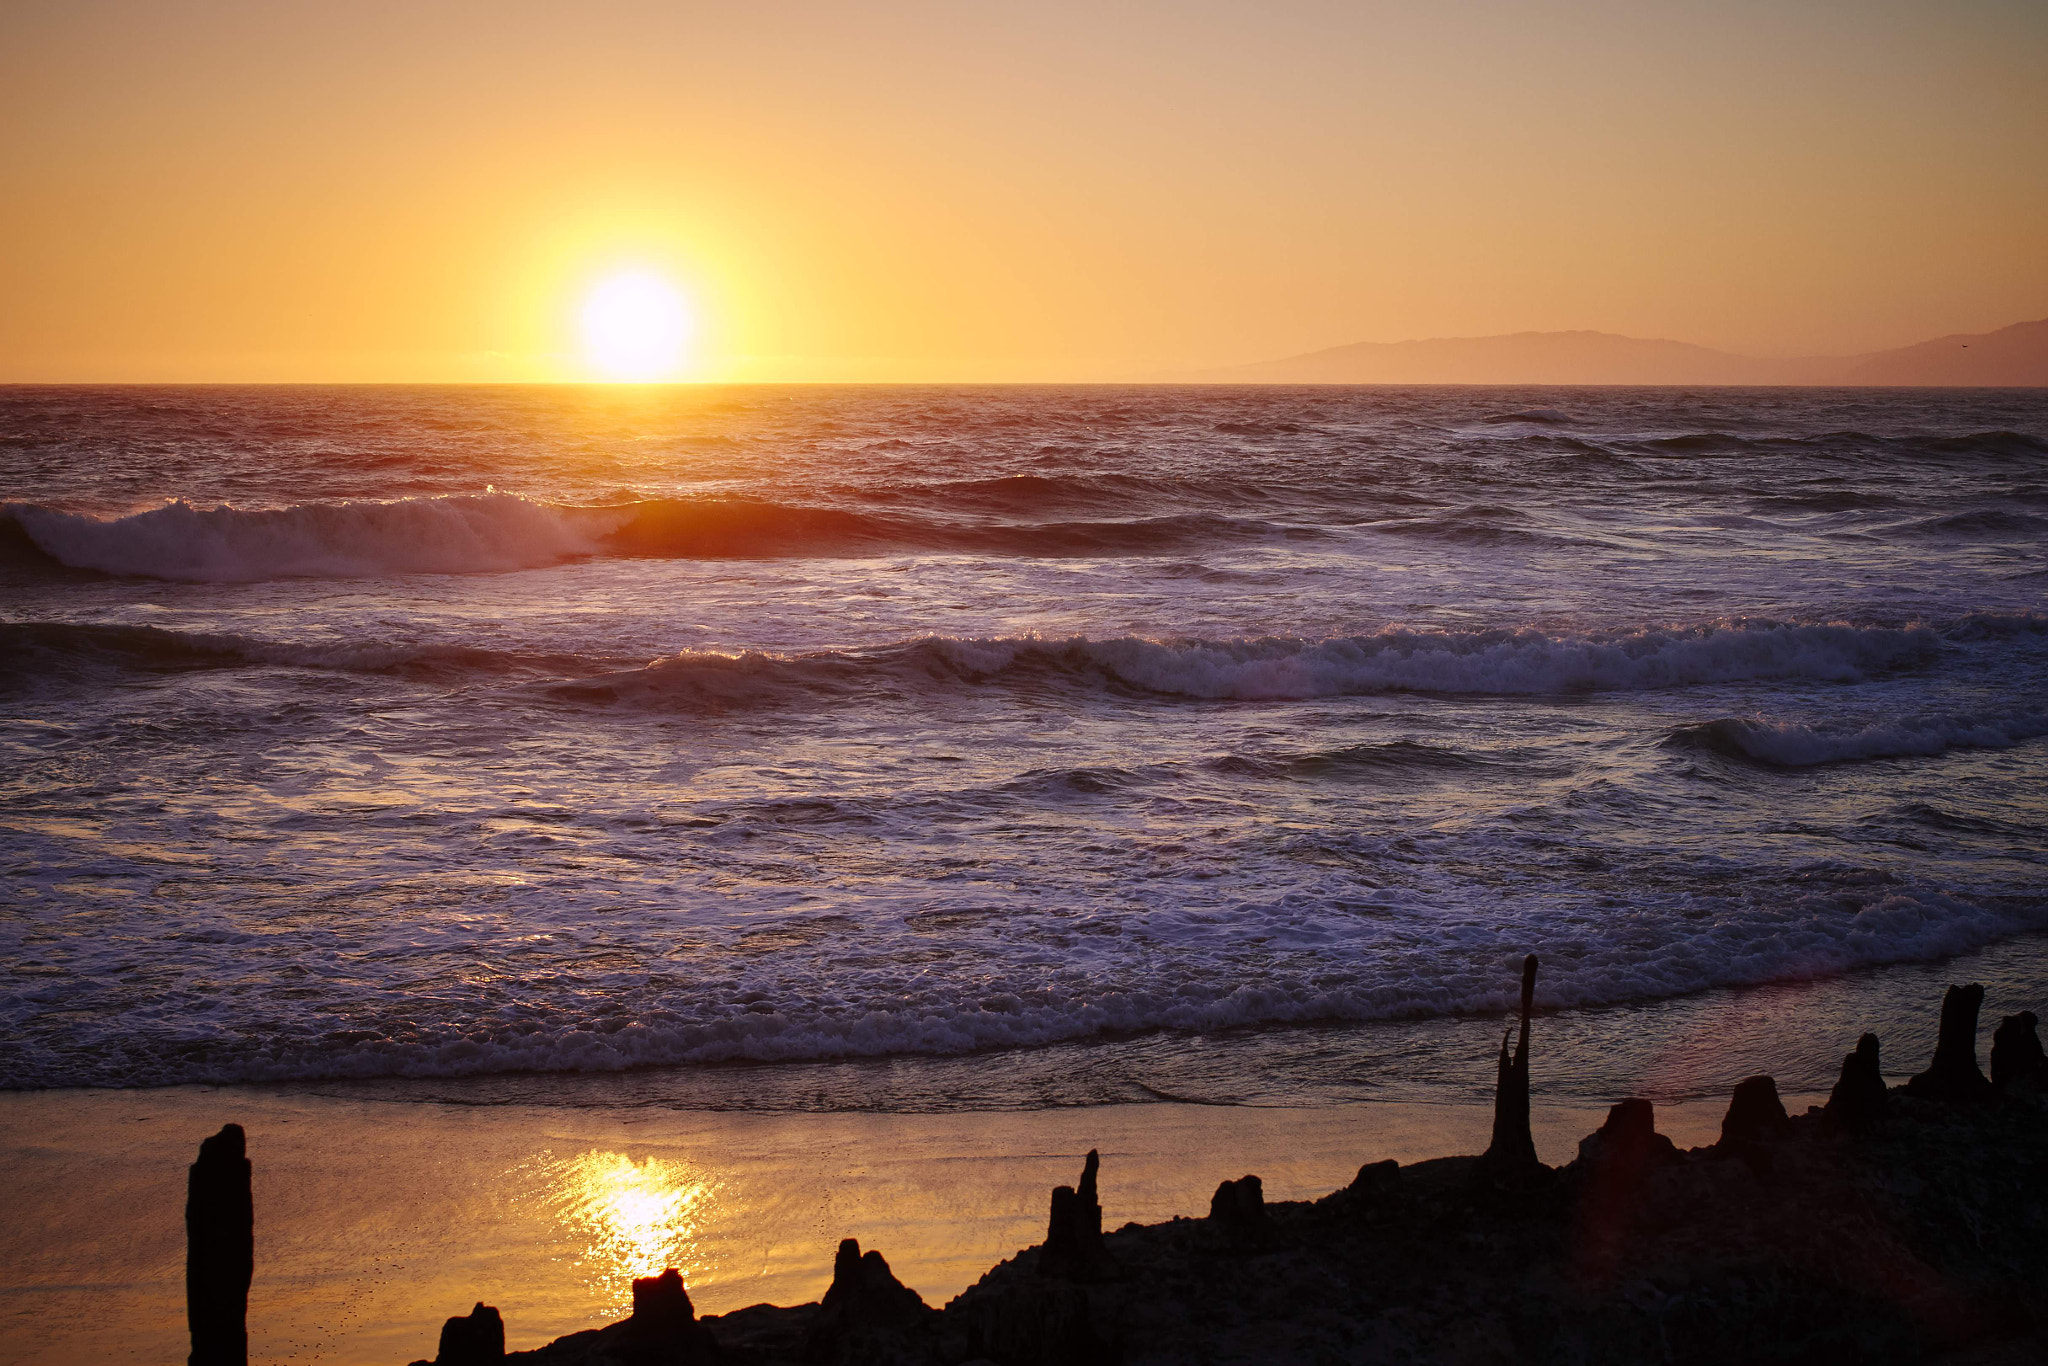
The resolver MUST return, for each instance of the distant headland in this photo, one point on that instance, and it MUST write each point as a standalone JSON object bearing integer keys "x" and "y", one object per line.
{"x": 2015, "y": 356}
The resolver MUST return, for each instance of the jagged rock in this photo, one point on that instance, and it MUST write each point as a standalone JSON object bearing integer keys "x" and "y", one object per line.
{"x": 1628, "y": 1138}
{"x": 220, "y": 1250}
{"x": 1925, "y": 1246}
{"x": 1073, "y": 1234}
{"x": 1755, "y": 1113}
{"x": 2017, "y": 1062}
{"x": 1859, "y": 1099}
{"x": 1512, "y": 1154}
{"x": 1954, "y": 1075}
{"x": 865, "y": 1291}
{"x": 473, "y": 1340}
{"x": 1239, "y": 1207}
{"x": 867, "y": 1314}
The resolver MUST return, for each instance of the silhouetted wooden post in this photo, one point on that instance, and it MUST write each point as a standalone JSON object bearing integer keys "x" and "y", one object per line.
{"x": 1514, "y": 1147}
{"x": 220, "y": 1251}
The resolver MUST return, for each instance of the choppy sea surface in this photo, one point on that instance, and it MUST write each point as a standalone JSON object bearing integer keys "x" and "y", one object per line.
{"x": 420, "y": 732}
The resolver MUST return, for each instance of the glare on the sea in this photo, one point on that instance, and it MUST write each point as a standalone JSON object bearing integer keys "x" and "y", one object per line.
{"x": 635, "y": 324}
{"x": 631, "y": 1218}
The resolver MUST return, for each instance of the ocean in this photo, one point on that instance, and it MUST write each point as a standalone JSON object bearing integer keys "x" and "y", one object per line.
{"x": 1041, "y": 745}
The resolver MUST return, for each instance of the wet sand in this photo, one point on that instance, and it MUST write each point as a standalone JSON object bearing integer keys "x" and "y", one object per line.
{"x": 377, "y": 1220}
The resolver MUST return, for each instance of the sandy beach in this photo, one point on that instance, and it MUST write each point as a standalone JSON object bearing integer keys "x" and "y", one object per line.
{"x": 376, "y": 1221}
{"x": 383, "y": 1208}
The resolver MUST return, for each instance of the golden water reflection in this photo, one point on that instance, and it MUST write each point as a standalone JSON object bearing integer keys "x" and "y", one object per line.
{"x": 628, "y": 1218}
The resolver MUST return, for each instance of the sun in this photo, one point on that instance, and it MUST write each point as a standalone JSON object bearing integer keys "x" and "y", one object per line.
{"x": 635, "y": 324}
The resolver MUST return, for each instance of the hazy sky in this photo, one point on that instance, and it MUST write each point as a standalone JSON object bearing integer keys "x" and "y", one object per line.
{"x": 279, "y": 190}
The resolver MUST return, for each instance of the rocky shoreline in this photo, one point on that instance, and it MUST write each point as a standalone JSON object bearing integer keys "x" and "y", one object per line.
{"x": 1902, "y": 1224}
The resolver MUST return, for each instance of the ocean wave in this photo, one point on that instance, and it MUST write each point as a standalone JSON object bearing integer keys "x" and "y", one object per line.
{"x": 1030, "y": 495}
{"x": 1999, "y": 446}
{"x": 1977, "y": 524}
{"x": 43, "y": 652}
{"x": 1397, "y": 659}
{"x": 463, "y": 534}
{"x": 1823, "y": 500}
{"x": 497, "y": 532}
{"x": 1478, "y": 524}
{"x": 1785, "y": 744}
{"x": 1278, "y": 668}
{"x": 799, "y": 990}
{"x": 1393, "y": 758}
{"x": 2015, "y": 445}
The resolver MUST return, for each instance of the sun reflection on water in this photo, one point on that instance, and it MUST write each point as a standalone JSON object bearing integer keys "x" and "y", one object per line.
{"x": 629, "y": 1218}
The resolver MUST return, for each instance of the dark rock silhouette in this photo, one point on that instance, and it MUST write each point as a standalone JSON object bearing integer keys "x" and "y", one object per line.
{"x": 2017, "y": 1062}
{"x": 220, "y": 1250}
{"x": 1375, "y": 1179}
{"x": 664, "y": 1330}
{"x": 1513, "y": 1150}
{"x": 867, "y": 1313}
{"x": 1615, "y": 1171}
{"x": 661, "y": 1302}
{"x": 1628, "y": 1139}
{"x": 473, "y": 1340}
{"x": 1859, "y": 1100}
{"x": 1024, "y": 1319}
{"x": 1928, "y": 1243}
{"x": 1755, "y": 1114}
{"x": 1953, "y": 1076}
{"x": 1239, "y": 1207}
{"x": 1073, "y": 1234}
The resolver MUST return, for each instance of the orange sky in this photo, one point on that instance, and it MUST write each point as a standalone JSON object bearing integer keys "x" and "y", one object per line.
{"x": 420, "y": 191}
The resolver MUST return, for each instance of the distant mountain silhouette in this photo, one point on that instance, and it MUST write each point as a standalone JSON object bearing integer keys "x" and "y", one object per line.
{"x": 2016, "y": 355}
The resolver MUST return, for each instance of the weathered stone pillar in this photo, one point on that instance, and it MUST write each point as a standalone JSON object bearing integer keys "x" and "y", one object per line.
{"x": 1859, "y": 1099}
{"x": 1954, "y": 1074}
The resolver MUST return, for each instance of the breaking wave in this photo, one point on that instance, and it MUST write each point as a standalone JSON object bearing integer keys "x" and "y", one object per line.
{"x": 496, "y": 532}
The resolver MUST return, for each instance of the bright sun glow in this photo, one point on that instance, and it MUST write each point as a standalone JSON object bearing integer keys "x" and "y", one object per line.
{"x": 634, "y": 327}
{"x": 631, "y": 1218}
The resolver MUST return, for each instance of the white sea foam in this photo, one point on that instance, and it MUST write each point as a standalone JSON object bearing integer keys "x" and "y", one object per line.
{"x": 847, "y": 994}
